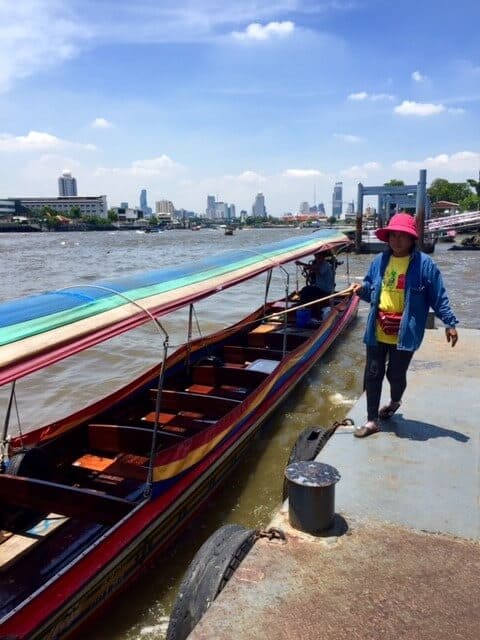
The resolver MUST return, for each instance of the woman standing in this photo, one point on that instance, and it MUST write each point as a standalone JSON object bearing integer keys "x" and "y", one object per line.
{"x": 401, "y": 286}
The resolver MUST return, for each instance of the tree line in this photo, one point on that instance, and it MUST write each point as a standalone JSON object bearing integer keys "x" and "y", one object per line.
{"x": 465, "y": 194}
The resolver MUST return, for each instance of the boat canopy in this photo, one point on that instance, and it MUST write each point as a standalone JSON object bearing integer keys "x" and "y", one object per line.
{"x": 40, "y": 330}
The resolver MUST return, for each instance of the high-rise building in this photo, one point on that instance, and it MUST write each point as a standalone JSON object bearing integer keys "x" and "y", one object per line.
{"x": 337, "y": 200}
{"x": 67, "y": 185}
{"x": 124, "y": 205}
{"x": 321, "y": 209}
{"x": 304, "y": 207}
{"x": 258, "y": 208}
{"x": 210, "y": 210}
{"x": 147, "y": 211}
{"x": 231, "y": 212}
{"x": 164, "y": 206}
{"x": 221, "y": 211}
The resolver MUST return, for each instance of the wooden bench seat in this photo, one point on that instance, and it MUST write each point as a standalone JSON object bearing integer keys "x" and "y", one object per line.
{"x": 222, "y": 391}
{"x": 117, "y": 438}
{"x": 274, "y": 340}
{"x": 183, "y": 422}
{"x": 205, "y": 406}
{"x": 226, "y": 376}
{"x": 46, "y": 497}
{"x": 234, "y": 353}
{"x": 109, "y": 472}
{"x": 14, "y": 545}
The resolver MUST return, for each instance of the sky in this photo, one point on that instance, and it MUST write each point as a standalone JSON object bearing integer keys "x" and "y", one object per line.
{"x": 194, "y": 97}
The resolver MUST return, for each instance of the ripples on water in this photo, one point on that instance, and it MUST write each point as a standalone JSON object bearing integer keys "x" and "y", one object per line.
{"x": 38, "y": 262}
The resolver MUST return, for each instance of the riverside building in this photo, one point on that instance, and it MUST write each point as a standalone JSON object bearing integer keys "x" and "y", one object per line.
{"x": 88, "y": 205}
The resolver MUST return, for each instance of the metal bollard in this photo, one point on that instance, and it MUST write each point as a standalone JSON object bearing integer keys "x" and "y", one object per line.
{"x": 311, "y": 495}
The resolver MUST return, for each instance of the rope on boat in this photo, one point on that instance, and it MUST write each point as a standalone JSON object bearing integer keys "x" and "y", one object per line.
{"x": 345, "y": 292}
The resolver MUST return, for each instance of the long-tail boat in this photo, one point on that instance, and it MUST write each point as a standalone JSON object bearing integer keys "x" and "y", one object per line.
{"x": 87, "y": 501}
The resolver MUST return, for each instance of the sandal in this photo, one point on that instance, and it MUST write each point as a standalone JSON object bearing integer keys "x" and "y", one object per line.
{"x": 368, "y": 429}
{"x": 388, "y": 410}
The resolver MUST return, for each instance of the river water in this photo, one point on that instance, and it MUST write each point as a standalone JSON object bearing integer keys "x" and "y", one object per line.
{"x": 33, "y": 263}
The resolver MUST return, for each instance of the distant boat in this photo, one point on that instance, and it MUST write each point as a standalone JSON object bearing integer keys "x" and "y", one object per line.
{"x": 471, "y": 243}
{"x": 153, "y": 230}
{"x": 229, "y": 231}
{"x": 447, "y": 236}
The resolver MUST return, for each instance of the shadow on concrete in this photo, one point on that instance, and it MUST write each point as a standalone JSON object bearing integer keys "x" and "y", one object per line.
{"x": 421, "y": 431}
{"x": 339, "y": 528}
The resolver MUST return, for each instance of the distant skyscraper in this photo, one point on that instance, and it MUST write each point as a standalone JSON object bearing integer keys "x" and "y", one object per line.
{"x": 337, "y": 200}
{"x": 147, "y": 211}
{"x": 210, "y": 210}
{"x": 124, "y": 205}
{"x": 304, "y": 207}
{"x": 321, "y": 209}
{"x": 143, "y": 200}
{"x": 67, "y": 185}
{"x": 258, "y": 208}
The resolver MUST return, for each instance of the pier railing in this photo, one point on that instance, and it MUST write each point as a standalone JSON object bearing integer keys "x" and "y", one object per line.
{"x": 458, "y": 221}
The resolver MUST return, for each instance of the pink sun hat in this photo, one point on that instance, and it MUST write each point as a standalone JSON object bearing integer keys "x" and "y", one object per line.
{"x": 403, "y": 222}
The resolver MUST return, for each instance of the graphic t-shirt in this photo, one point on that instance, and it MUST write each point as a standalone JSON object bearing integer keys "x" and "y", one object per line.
{"x": 392, "y": 296}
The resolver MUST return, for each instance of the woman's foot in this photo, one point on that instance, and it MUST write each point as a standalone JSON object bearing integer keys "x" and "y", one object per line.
{"x": 368, "y": 428}
{"x": 388, "y": 410}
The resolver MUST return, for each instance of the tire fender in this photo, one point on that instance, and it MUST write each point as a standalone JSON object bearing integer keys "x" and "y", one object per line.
{"x": 211, "y": 568}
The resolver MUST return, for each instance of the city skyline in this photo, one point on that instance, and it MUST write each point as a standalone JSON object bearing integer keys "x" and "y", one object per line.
{"x": 284, "y": 98}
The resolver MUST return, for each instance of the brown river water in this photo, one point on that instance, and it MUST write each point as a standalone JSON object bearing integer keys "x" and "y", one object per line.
{"x": 33, "y": 263}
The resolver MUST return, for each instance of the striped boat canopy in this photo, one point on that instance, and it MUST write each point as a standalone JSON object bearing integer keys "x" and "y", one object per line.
{"x": 39, "y": 330}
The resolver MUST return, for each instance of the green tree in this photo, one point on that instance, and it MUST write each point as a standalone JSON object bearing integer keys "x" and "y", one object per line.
{"x": 332, "y": 220}
{"x": 442, "y": 189}
{"x": 47, "y": 212}
{"x": 112, "y": 215}
{"x": 394, "y": 183}
{"x": 75, "y": 212}
{"x": 475, "y": 184}
{"x": 470, "y": 203}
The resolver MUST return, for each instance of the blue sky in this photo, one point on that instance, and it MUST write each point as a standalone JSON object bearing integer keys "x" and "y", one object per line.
{"x": 187, "y": 98}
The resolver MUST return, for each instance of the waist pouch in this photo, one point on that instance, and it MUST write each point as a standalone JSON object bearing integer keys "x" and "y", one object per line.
{"x": 389, "y": 322}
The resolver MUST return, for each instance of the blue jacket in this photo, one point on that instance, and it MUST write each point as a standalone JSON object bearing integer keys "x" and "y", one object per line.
{"x": 423, "y": 289}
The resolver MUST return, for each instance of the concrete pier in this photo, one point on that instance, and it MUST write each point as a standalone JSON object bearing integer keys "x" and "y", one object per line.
{"x": 403, "y": 557}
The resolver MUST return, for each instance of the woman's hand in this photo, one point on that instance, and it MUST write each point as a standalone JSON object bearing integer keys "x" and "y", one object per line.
{"x": 451, "y": 335}
{"x": 356, "y": 288}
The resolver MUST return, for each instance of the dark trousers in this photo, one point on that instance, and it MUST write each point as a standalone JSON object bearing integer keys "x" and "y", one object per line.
{"x": 398, "y": 362}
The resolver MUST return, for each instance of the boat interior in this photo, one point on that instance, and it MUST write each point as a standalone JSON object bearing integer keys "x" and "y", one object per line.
{"x": 57, "y": 497}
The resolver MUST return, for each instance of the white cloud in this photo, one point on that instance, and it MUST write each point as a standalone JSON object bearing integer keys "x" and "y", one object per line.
{"x": 418, "y": 77}
{"x": 302, "y": 173}
{"x": 372, "y": 97}
{"x": 35, "y": 35}
{"x": 361, "y": 95}
{"x": 38, "y": 141}
{"x": 256, "y": 31}
{"x": 162, "y": 166}
{"x": 250, "y": 177}
{"x": 347, "y": 137}
{"x": 361, "y": 172}
{"x": 461, "y": 162}
{"x": 421, "y": 109}
{"x": 101, "y": 123}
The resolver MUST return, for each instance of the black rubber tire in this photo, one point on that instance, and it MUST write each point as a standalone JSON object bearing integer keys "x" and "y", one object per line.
{"x": 210, "y": 570}
{"x": 31, "y": 463}
{"x": 307, "y": 447}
